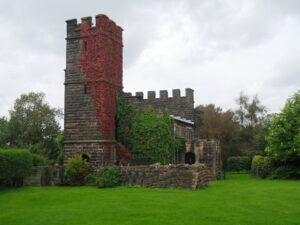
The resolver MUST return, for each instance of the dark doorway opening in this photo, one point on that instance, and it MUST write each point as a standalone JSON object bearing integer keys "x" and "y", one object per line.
{"x": 190, "y": 158}
{"x": 85, "y": 157}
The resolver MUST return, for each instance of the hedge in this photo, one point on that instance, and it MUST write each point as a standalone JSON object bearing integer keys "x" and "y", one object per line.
{"x": 262, "y": 166}
{"x": 15, "y": 164}
{"x": 239, "y": 163}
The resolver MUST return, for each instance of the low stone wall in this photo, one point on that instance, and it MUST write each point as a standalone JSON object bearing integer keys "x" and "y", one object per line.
{"x": 45, "y": 176}
{"x": 166, "y": 176}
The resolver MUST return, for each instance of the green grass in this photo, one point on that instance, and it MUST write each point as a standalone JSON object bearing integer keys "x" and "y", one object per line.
{"x": 237, "y": 200}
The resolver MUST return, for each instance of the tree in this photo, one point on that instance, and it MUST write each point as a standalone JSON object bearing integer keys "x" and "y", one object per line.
{"x": 250, "y": 112}
{"x": 33, "y": 124}
{"x": 3, "y": 132}
{"x": 284, "y": 133}
{"x": 253, "y": 119}
{"x": 216, "y": 124}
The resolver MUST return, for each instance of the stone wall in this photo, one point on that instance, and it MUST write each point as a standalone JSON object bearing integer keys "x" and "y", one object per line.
{"x": 45, "y": 176}
{"x": 177, "y": 105}
{"x": 209, "y": 153}
{"x": 167, "y": 176}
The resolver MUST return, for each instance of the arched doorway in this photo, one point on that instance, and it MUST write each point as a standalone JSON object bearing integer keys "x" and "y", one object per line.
{"x": 85, "y": 157}
{"x": 190, "y": 158}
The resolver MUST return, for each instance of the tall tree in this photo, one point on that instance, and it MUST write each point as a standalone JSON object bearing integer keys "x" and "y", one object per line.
{"x": 216, "y": 124}
{"x": 33, "y": 123}
{"x": 250, "y": 112}
{"x": 253, "y": 119}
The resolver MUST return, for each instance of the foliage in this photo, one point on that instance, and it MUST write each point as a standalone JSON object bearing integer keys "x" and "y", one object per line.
{"x": 216, "y": 124}
{"x": 125, "y": 113}
{"x": 122, "y": 153}
{"x": 258, "y": 202}
{"x": 59, "y": 142}
{"x": 149, "y": 138}
{"x": 152, "y": 137}
{"x": 108, "y": 177}
{"x": 253, "y": 121}
{"x": 90, "y": 179}
{"x": 239, "y": 163}
{"x": 3, "y": 132}
{"x": 262, "y": 166}
{"x": 39, "y": 160}
{"x": 15, "y": 164}
{"x": 284, "y": 133}
{"x": 33, "y": 124}
{"x": 287, "y": 172}
{"x": 76, "y": 170}
{"x": 250, "y": 112}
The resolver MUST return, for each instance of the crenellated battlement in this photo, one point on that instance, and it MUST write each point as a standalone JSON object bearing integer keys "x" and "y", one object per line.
{"x": 178, "y": 105}
{"x": 104, "y": 25}
{"x": 162, "y": 94}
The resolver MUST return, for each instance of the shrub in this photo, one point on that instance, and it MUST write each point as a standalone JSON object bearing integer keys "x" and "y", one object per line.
{"x": 287, "y": 172}
{"x": 76, "y": 170}
{"x": 39, "y": 160}
{"x": 15, "y": 164}
{"x": 90, "y": 179}
{"x": 262, "y": 166}
{"x": 239, "y": 163}
{"x": 108, "y": 177}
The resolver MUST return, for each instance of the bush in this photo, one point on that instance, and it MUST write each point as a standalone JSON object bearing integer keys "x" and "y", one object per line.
{"x": 262, "y": 166}
{"x": 287, "y": 172}
{"x": 108, "y": 177}
{"x": 15, "y": 164}
{"x": 39, "y": 160}
{"x": 76, "y": 170}
{"x": 239, "y": 163}
{"x": 90, "y": 179}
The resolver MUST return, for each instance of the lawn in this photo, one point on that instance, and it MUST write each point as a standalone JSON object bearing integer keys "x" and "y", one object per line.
{"x": 237, "y": 200}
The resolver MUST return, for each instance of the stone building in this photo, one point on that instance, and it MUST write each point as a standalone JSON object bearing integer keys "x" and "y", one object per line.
{"x": 93, "y": 80}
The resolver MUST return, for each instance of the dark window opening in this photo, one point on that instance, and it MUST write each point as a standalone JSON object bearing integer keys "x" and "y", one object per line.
{"x": 85, "y": 45}
{"x": 190, "y": 158}
{"x": 85, "y": 89}
{"x": 85, "y": 157}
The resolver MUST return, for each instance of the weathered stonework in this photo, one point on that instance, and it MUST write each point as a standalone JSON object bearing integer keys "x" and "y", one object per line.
{"x": 93, "y": 79}
{"x": 45, "y": 176}
{"x": 177, "y": 105}
{"x": 168, "y": 176}
{"x": 209, "y": 153}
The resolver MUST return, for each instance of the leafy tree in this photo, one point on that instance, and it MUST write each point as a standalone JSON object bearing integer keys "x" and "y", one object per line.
{"x": 254, "y": 121}
{"x": 284, "y": 133}
{"x": 216, "y": 124}
{"x": 3, "y": 132}
{"x": 250, "y": 112}
{"x": 33, "y": 123}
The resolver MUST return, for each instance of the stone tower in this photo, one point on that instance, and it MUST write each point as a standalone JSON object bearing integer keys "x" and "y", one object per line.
{"x": 93, "y": 79}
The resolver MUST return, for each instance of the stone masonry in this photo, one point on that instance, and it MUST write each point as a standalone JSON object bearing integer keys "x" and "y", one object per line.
{"x": 167, "y": 176}
{"x": 177, "y": 105}
{"x": 93, "y": 79}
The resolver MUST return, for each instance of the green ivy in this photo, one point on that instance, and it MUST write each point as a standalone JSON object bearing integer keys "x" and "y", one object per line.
{"x": 147, "y": 136}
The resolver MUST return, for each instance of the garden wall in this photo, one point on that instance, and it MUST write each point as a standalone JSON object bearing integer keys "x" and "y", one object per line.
{"x": 166, "y": 176}
{"x": 45, "y": 176}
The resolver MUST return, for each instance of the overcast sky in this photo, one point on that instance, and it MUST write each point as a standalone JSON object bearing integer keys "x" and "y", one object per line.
{"x": 218, "y": 48}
